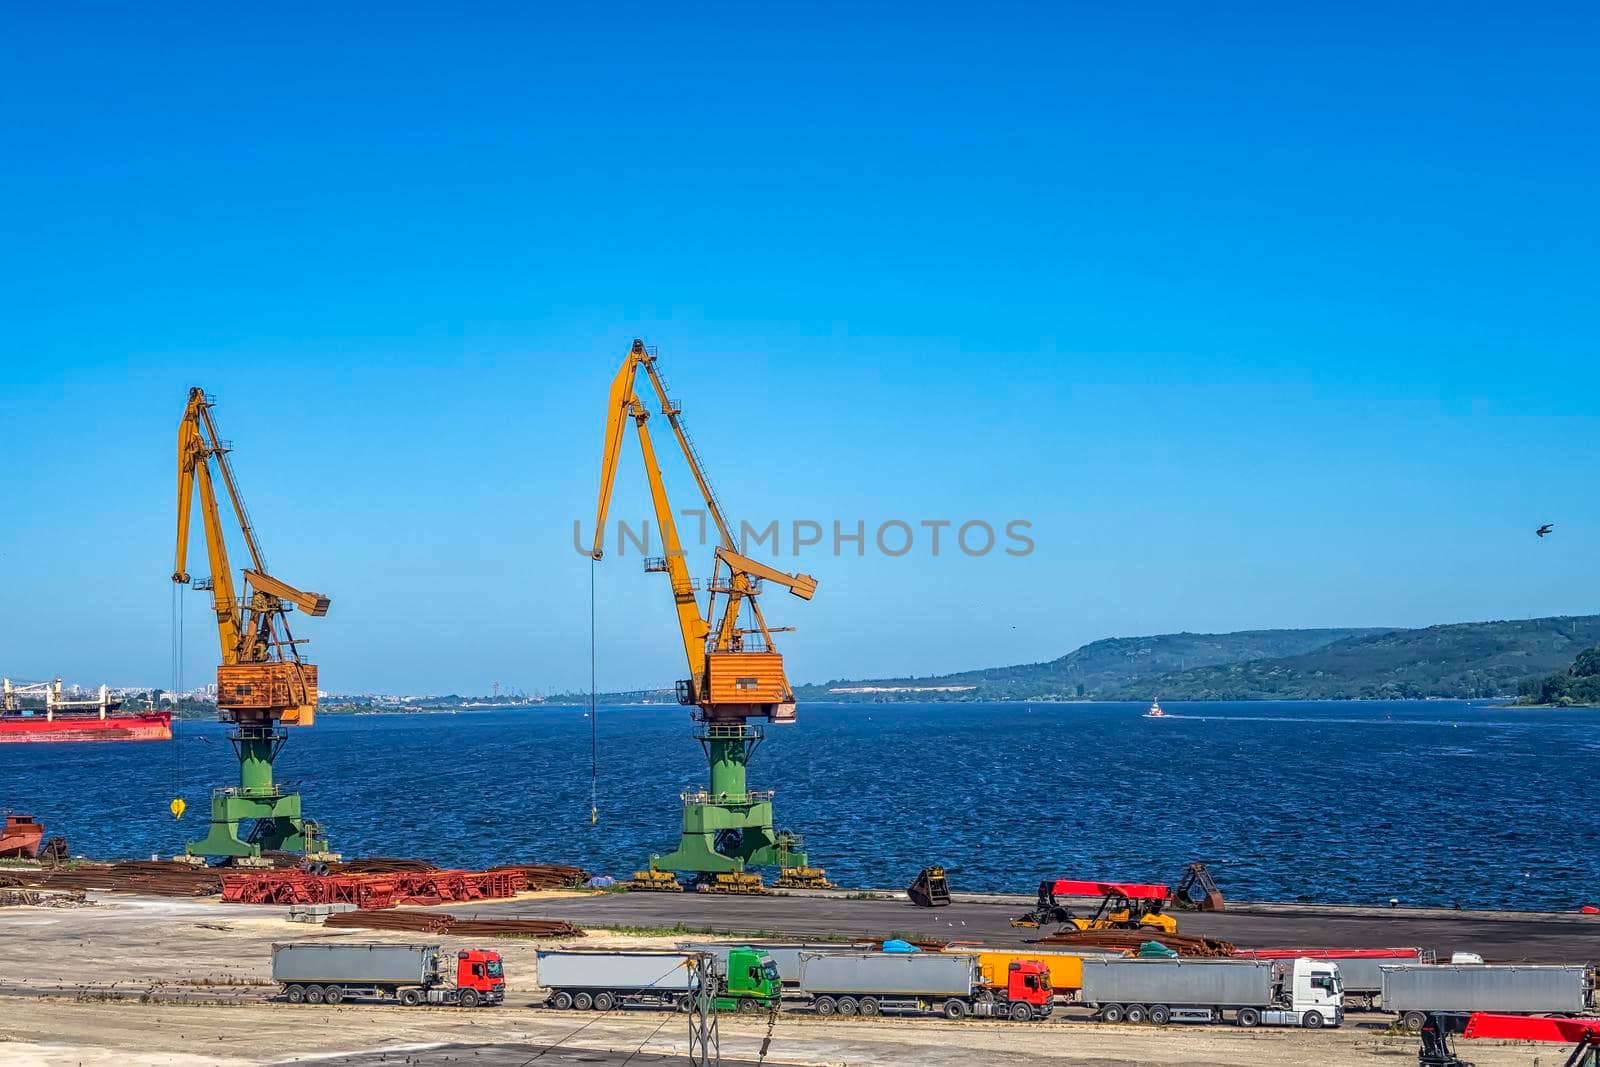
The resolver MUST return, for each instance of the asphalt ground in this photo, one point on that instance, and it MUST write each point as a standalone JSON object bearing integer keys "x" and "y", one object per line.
{"x": 507, "y": 1055}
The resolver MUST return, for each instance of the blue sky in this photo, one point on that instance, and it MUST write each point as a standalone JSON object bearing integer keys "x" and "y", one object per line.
{"x": 1260, "y": 317}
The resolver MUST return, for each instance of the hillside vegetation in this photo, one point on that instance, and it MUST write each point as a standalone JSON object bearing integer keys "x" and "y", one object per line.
{"x": 1091, "y": 671}
{"x": 1462, "y": 660}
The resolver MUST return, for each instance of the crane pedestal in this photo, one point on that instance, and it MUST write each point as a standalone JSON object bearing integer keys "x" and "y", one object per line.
{"x": 273, "y": 816}
{"x": 728, "y": 827}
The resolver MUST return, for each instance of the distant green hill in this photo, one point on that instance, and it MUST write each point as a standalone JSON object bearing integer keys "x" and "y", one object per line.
{"x": 1472, "y": 659}
{"x": 1111, "y": 664}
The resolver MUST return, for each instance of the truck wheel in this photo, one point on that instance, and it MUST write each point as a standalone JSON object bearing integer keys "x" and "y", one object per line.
{"x": 332, "y": 995}
{"x": 1160, "y": 1014}
{"x": 313, "y": 994}
{"x": 848, "y": 1006}
{"x": 295, "y": 994}
{"x": 1020, "y": 1012}
{"x": 1311, "y": 1020}
{"x": 748, "y": 1006}
{"x": 955, "y": 1009}
{"x": 604, "y": 1002}
{"x": 1134, "y": 1013}
{"x": 870, "y": 1007}
{"x": 1111, "y": 1013}
{"x": 469, "y": 998}
{"x": 1247, "y": 1017}
{"x": 826, "y": 1006}
{"x": 1412, "y": 1021}
{"x": 410, "y": 997}
{"x": 583, "y": 1002}
{"x": 561, "y": 1000}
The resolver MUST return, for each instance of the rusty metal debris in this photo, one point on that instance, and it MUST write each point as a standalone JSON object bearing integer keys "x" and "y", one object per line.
{"x": 1130, "y": 940}
{"x": 23, "y": 896}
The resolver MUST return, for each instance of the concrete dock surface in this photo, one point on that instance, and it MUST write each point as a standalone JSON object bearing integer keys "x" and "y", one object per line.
{"x": 159, "y": 982}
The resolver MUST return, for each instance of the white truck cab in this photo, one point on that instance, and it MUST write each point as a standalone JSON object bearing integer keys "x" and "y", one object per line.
{"x": 1306, "y": 993}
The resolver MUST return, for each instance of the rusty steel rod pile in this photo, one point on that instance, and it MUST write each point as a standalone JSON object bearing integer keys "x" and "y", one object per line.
{"x": 548, "y": 875}
{"x": 434, "y": 922}
{"x": 1130, "y": 940}
{"x": 382, "y": 865}
{"x": 156, "y": 878}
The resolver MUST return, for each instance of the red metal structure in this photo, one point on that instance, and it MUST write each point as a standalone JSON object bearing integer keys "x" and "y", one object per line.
{"x": 371, "y": 891}
{"x": 1067, "y": 887}
{"x": 1582, "y": 1034}
{"x": 1332, "y": 953}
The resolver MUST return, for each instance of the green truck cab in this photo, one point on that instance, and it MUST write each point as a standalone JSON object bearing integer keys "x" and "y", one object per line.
{"x": 750, "y": 982}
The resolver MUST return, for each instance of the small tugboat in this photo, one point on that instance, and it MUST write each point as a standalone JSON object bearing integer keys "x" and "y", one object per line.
{"x": 1155, "y": 711}
{"x": 21, "y": 837}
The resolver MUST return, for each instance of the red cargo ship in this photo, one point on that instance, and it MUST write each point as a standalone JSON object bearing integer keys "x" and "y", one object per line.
{"x": 101, "y": 719}
{"x": 141, "y": 726}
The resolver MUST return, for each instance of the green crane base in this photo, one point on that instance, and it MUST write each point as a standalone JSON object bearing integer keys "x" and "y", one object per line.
{"x": 728, "y": 827}
{"x": 275, "y": 815}
{"x": 741, "y": 824}
{"x": 278, "y": 827}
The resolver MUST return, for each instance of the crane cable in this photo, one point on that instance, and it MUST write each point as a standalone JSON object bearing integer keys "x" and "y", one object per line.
{"x": 594, "y": 728}
{"x": 176, "y": 679}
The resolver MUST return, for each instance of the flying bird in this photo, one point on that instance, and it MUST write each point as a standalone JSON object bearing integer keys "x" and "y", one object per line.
{"x": 1545, "y": 530}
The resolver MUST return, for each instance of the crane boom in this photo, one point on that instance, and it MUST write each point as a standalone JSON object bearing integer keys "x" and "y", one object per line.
{"x": 723, "y": 687}
{"x": 251, "y": 630}
{"x": 625, "y": 404}
{"x": 310, "y": 603}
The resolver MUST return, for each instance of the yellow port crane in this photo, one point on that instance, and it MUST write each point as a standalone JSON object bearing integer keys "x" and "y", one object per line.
{"x": 263, "y": 683}
{"x": 735, "y": 672}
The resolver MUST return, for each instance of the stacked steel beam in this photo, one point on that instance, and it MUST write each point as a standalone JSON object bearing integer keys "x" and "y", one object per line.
{"x": 434, "y": 922}
{"x": 548, "y": 875}
{"x": 155, "y": 878}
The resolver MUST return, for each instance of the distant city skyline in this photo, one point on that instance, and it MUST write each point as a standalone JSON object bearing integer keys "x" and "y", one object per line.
{"x": 1257, "y": 319}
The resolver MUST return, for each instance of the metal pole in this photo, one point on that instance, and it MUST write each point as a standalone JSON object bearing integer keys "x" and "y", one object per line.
{"x": 705, "y": 1047}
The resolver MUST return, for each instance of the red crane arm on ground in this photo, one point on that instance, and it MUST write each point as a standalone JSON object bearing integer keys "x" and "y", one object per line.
{"x": 1067, "y": 887}
{"x": 1332, "y": 953}
{"x": 1482, "y": 1024}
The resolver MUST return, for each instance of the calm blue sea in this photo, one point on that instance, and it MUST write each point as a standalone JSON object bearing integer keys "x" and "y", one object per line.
{"x": 1353, "y": 802}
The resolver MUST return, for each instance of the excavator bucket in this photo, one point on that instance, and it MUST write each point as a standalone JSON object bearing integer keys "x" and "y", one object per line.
{"x": 1196, "y": 877}
{"x": 654, "y": 881}
{"x": 929, "y": 889}
{"x": 803, "y": 878}
{"x": 732, "y": 882}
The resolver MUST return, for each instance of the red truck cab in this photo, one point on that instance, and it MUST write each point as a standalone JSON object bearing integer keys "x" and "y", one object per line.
{"x": 482, "y": 971}
{"x": 1028, "y": 982}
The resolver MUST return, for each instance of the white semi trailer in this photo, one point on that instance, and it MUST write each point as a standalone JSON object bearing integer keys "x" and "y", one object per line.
{"x": 1505, "y": 989}
{"x": 1297, "y": 992}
